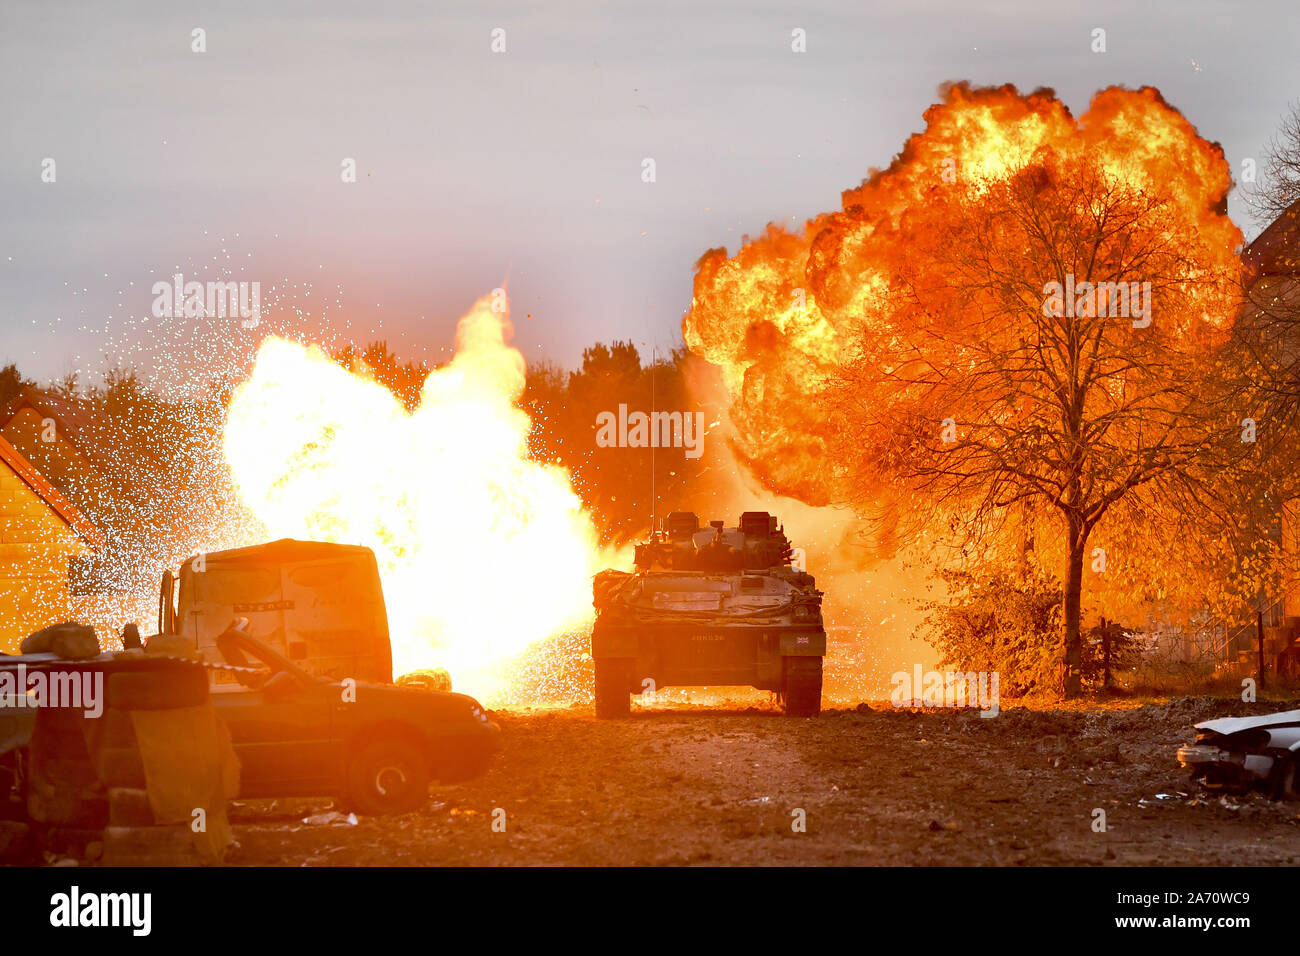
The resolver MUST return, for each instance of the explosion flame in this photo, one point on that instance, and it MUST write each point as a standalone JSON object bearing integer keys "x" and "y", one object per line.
{"x": 788, "y": 309}
{"x": 483, "y": 552}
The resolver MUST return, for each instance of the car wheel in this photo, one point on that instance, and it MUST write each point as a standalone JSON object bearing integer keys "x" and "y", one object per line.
{"x": 388, "y": 776}
{"x": 803, "y": 686}
{"x": 613, "y": 697}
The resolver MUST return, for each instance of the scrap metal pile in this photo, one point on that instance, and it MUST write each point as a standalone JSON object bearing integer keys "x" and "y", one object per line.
{"x": 111, "y": 754}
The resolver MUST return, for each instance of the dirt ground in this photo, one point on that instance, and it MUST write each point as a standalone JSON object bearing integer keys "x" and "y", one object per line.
{"x": 685, "y": 784}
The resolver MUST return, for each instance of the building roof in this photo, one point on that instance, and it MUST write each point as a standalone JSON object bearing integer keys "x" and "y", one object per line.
{"x": 60, "y": 505}
{"x": 76, "y": 420}
{"x": 1276, "y": 250}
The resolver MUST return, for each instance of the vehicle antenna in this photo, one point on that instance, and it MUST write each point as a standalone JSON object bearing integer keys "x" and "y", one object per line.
{"x": 654, "y": 352}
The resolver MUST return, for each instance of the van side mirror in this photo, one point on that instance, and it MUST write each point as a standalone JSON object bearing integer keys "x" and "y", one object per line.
{"x": 166, "y": 604}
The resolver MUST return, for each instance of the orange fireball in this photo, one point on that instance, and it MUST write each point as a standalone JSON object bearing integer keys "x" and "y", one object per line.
{"x": 783, "y": 314}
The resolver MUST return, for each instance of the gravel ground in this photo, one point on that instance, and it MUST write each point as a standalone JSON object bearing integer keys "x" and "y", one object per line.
{"x": 727, "y": 785}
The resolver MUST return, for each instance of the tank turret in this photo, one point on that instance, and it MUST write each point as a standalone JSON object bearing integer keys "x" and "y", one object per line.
{"x": 756, "y": 543}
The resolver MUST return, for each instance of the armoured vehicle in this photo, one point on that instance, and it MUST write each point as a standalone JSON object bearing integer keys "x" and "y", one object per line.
{"x": 712, "y": 606}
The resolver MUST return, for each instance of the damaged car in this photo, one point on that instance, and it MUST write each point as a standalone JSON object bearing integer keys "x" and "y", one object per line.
{"x": 376, "y": 746}
{"x": 1247, "y": 753}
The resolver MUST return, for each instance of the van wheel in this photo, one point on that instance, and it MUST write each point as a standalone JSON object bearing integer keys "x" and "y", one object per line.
{"x": 803, "y": 686}
{"x": 387, "y": 776}
{"x": 613, "y": 698}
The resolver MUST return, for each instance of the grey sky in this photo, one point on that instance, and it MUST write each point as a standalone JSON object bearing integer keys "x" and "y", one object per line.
{"x": 476, "y": 167}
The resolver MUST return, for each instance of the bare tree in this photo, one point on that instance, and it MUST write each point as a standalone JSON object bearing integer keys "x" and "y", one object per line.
{"x": 1278, "y": 185}
{"x": 1051, "y": 350}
